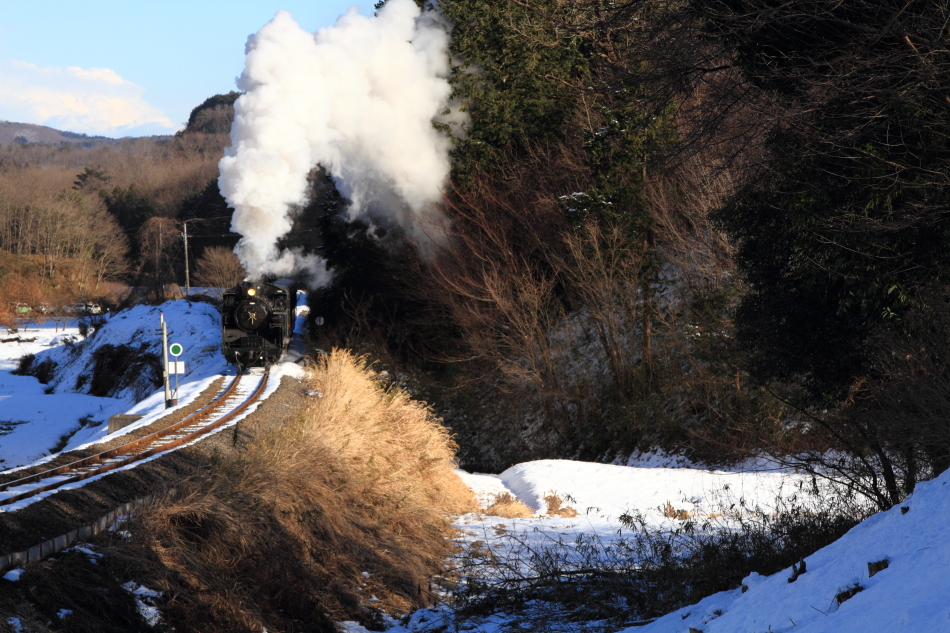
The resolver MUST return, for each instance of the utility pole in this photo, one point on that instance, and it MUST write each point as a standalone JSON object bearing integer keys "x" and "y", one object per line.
{"x": 159, "y": 283}
{"x": 187, "y": 273}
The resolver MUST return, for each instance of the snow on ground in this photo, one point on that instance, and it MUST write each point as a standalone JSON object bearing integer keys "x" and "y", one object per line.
{"x": 603, "y": 492}
{"x": 912, "y": 593}
{"x": 195, "y": 325}
{"x": 34, "y": 417}
{"x": 32, "y": 421}
{"x": 152, "y": 414}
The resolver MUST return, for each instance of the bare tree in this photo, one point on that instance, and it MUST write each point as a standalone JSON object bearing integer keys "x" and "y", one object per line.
{"x": 219, "y": 268}
{"x": 105, "y": 251}
{"x": 158, "y": 243}
{"x": 891, "y": 432}
{"x": 606, "y": 272}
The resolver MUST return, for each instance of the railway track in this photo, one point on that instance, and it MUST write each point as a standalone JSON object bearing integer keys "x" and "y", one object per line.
{"x": 230, "y": 403}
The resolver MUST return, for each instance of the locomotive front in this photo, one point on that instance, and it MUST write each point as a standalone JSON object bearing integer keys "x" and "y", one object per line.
{"x": 257, "y": 322}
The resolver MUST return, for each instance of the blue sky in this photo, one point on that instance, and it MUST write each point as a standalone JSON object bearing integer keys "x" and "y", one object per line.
{"x": 126, "y": 68}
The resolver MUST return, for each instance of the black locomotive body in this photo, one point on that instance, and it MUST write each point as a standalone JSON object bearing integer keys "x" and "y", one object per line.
{"x": 257, "y": 322}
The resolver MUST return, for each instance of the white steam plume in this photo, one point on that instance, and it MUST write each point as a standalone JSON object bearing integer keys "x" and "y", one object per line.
{"x": 357, "y": 98}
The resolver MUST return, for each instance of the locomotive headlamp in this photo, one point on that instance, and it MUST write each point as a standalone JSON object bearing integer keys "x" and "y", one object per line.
{"x": 251, "y": 292}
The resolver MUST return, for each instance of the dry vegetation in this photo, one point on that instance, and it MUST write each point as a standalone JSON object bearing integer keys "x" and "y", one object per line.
{"x": 280, "y": 534}
{"x": 508, "y": 507}
{"x": 71, "y": 217}
{"x": 598, "y": 343}
{"x": 219, "y": 267}
{"x": 291, "y": 528}
{"x": 642, "y": 574}
{"x": 583, "y": 305}
{"x": 555, "y": 506}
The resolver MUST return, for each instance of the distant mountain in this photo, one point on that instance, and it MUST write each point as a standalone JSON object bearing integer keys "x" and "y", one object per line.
{"x": 40, "y": 134}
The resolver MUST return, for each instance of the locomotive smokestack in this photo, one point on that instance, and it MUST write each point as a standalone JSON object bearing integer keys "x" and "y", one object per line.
{"x": 357, "y": 98}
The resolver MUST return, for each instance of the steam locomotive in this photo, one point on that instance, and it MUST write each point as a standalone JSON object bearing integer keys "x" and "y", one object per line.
{"x": 257, "y": 322}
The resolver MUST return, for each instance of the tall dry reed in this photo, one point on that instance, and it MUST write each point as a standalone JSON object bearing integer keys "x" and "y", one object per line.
{"x": 347, "y": 500}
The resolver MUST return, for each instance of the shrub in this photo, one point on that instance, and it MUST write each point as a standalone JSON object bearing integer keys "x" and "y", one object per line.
{"x": 281, "y": 532}
{"x": 508, "y": 507}
{"x": 219, "y": 267}
{"x": 25, "y": 364}
{"x": 42, "y": 371}
{"x": 117, "y": 367}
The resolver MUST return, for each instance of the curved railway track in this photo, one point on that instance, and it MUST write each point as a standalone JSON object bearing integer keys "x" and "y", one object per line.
{"x": 224, "y": 408}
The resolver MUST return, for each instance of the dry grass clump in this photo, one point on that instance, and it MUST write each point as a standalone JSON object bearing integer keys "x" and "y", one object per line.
{"x": 557, "y": 508}
{"x": 508, "y": 507}
{"x": 675, "y": 513}
{"x": 347, "y": 501}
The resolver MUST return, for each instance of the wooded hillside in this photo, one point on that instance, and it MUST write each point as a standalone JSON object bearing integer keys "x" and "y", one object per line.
{"x": 76, "y": 220}
{"x": 720, "y": 226}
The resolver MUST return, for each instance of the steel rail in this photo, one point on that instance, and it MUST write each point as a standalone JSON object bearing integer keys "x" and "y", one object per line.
{"x": 204, "y": 412}
{"x": 126, "y": 448}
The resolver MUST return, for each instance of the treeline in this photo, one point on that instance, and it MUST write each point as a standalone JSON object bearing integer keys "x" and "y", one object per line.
{"x": 716, "y": 225}
{"x": 81, "y": 223}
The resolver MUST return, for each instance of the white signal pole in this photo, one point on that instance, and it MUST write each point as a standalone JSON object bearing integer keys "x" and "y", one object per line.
{"x": 168, "y": 394}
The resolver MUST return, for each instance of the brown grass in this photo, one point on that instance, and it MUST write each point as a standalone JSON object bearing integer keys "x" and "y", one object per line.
{"x": 282, "y": 533}
{"x": 508, "y": 507}
{"x": 675, "y": 513}
{"x": 556, "y": 507}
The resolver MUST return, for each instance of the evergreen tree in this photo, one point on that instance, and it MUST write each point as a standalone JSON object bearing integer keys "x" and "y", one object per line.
{"x": 131, "y": 208}
{"x": 516, "y": 74}
{"x": 851, "y": 214}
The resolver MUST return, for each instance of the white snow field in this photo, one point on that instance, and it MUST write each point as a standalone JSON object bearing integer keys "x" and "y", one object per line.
{"x": 36, "y": 416}
{"x": 911, "y": 594}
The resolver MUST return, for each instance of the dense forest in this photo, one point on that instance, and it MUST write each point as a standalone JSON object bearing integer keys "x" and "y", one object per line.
{"x": 712, "y": 226}
{"x": 715, "y": 225}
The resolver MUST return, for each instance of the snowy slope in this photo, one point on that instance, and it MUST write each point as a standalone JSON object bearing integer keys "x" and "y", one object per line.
{"x": 607, "y": 490}
{"x": 197, "y": 326}
{"x": 34, "y": 417}
{"x": 31, "y": 421}
{"x": 912, "y": 594}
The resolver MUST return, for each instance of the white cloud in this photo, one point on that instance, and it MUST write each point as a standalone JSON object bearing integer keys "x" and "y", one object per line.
{"x": 90, "y": 101}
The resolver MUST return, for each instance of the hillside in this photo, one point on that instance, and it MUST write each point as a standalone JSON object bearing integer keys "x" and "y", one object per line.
{"x": 28, "y": 133}
{"x": 84, "y": 381}
{"x": 887, "y": 574}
